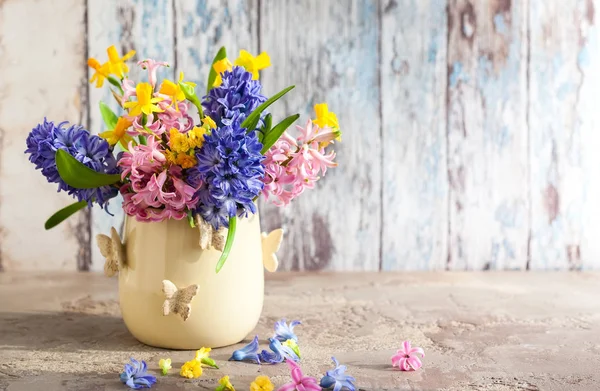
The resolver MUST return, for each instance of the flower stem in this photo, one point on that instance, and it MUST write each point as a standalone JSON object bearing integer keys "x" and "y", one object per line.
{"x": 228, "y": 243}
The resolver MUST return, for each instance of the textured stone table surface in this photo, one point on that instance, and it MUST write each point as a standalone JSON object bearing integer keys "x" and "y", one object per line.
{"x": 480, "y": 331}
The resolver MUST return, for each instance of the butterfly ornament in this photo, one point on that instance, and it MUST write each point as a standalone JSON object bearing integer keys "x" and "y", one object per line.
{"x": 210, "y": 236}
{"x": 178, "y": 301}
{"x": 270, "y": 245}
{"x": 113, "y": 250}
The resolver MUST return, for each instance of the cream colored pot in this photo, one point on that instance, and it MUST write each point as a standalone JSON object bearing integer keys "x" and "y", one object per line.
{"x": 170, "y": 295}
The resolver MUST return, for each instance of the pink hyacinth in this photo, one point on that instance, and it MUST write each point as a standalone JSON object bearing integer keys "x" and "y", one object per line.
{"x": 299, "y": 381}
{"x": 293, "y": 165}
{"x": 152, "y": 66}
{"x": 128, "y": 86}
{"x": 177, "y": 118}
{"x": 406, "y": 358}
{"x": 156, "y": 190}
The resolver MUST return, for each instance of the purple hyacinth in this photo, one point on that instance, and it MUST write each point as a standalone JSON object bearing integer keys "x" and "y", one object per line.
{"x": 337, "y": 378}
{"x": 230, "y": 171}
{"x": 247, "y": 353}
{"x": 279, "y": 353}
{"x": 134, "y": 375}
{"x": 236, "y": 97}
{"x": 46, "y": 138}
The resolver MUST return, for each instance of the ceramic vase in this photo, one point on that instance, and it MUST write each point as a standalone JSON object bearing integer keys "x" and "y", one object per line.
{"x": 159, "y": 256}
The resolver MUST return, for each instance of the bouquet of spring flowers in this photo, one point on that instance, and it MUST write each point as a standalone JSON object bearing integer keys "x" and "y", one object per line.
{"x": 168, "y": 163}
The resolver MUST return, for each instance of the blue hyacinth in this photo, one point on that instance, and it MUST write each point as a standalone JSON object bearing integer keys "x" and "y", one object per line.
{"x": 135, "y": 376}
{"x": 279, "y": 353}
{"x": 337, "y": 379}
{"x": 46, "y": 138}
{"x": 236, "y": 97}
{"x": 230, "y": 171}
{"x": 283, "y": 331}
{"x": 247, "y": 353}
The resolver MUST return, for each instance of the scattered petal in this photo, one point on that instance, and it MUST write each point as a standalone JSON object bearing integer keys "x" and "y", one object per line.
{"x": 406, "y": 358}
{"x": 165, "y": 365}
{"x": 337, "y": 379}
{"x": 247, "y": 353}
{"x": 135, "y": 376}
{"x": 262, "y": 383}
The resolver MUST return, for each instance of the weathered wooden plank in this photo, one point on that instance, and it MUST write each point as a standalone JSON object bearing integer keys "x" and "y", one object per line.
{"x": 41, "y": 73}
{"x": 329, "y": 50}
{"x": 487, "y": 134}
{"x": 204, "y": 26}
{"x": 146, "y": 26}
{"x": 564, "y": 122}
{"x": 413, "y": 98}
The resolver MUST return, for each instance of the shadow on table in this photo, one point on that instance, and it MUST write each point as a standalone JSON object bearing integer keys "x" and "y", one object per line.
{"x": 66, "y": 332}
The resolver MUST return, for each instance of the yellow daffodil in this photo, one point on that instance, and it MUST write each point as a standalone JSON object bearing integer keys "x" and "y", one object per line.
{"x": 220, "y": 67}
{"x": 185, "y": 161}
{"x": 101, "y": 73}
{"x": 325, "y": 117}
{"x": 117, "y": 64}
{"x": 262, "y": 383}
{"x": 208, "y": 122}
{"x": 196, "y": 137}
{"x": 178, "y": 141}
{"x": 164, "y": 365}
{"x": 191, "y": 369}
{"x": 173, "y": 90}
{"x": 203, "y": 354}
{"x": 225, "y": 384}
{"x": 119, "y": 133}
{"x": 145, "y": 102}
{"x": 253, "y": 64}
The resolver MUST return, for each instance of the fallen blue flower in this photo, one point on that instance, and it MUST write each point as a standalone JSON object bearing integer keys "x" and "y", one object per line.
{"x": 283, "y": 331}
{"x": 247, "y": 353}
{"x": 279, "y": 353}
{"x": 337, "y": 379}
{"x": 135, "y": 376}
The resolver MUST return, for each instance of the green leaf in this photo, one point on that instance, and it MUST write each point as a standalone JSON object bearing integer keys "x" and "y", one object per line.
{"x": 109, "y": 117}
{"x": 115, "y": 83}
{"x": 142, "y": 139}
{"x": 190, "y": 217}
{"x": 190, "y": 94}
{"x": 255, "y": 115}
{"x": 268, "y": 122}
{"x": 272, "y": 137}
{"x": 64, "y": 214}
{"x": 228, "y": 243}
{"x": 78, "y": 175}
{"x": 212, "y": 74}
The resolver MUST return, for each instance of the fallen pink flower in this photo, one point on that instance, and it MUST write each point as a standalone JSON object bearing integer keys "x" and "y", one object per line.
{"x": 299, "y": 381}
{"x": 406, "y": 358}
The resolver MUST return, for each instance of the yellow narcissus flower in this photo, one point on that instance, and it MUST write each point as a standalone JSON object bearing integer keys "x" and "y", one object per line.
{"x": 178, "y": 141}
{"x": 225, "y": 384}
{"x": 220, "y": 67}
{"x": 119, "y": 133}
{"x": 145, "y": 102}
{"x": 262, "y": 383}
{"x": 325, "y": 117}
{"x": 191, "y": 369}
{"x": 102, "y": 71}
{"x": 164, "y": 365}
{"x": 202, "y": 355}
{"x": 117, "y": 64}
{"x": 253, "y": 64}
{"x": 174, "y": 91}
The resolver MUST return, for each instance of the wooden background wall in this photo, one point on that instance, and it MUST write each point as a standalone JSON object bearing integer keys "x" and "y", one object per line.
{"x": 471, "y": 128}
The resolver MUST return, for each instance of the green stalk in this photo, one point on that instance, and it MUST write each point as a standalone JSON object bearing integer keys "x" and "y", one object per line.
{"x": 228, "y": 243}
{"x": 115, "y": 83}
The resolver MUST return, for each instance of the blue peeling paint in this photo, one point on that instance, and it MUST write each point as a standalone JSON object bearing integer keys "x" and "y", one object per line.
{"x": 583, "y": 57}
{"x": 457, "y": 74}
{"x": 500, "y": 24}
{"x": 433, "y": 49}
